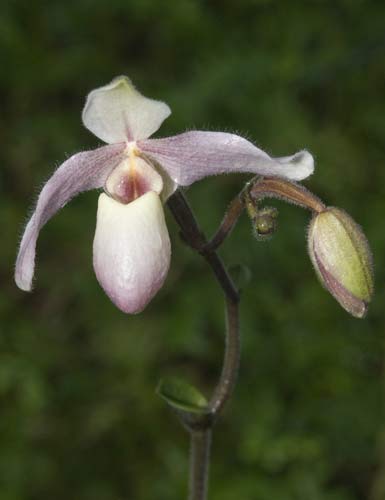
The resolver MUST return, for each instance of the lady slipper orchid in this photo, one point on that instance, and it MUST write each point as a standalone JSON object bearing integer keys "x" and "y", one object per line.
{"x": 132, "y": 247}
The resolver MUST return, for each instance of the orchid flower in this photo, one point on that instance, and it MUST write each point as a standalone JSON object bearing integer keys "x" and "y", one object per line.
{"x": 131, "y": 250}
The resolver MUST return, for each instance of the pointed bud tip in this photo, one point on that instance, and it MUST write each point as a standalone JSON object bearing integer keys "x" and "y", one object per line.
{"x": 342, "y": 259}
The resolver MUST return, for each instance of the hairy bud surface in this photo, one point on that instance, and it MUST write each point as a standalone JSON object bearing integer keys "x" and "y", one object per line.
{"x": 342, "y": 259}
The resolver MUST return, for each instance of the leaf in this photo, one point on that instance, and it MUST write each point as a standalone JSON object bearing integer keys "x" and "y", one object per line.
{"x": 181, "y": 395}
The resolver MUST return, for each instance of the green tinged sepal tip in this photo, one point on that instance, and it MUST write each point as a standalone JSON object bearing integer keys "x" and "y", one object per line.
{"x": 342, "y": 259}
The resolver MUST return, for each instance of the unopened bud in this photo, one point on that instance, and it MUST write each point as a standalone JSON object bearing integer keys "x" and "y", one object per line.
{"x": 342, "y": 259}
{"x": 265, "y": 222}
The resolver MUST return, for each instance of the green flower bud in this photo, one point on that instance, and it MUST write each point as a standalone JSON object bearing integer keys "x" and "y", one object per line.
{"x": 265, "y": 222}
{"x": 342, "y": 259}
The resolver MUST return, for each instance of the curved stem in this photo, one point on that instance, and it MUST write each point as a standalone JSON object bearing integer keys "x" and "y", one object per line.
{"x": 256, "y": 190}
{"x": 227, "y": 380}
{"x": 230, "y": 219}
{"x": 201, "y": 427}
{"x": 291, "y": 192}
{"x": 195, "y": 238}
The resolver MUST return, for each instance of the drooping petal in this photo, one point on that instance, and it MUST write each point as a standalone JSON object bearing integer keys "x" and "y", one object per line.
{"x": 81, "y": 172}
{"x": 191, "y": 156}
{"x": 131, "y": 250}
{"x": 118, "y": 112}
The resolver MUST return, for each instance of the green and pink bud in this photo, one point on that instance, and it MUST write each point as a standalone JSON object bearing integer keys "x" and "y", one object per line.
{"x": 342, "y": 259}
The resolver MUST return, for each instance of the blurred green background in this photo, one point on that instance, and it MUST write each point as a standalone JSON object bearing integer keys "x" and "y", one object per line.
{"x": 78, "y": 415}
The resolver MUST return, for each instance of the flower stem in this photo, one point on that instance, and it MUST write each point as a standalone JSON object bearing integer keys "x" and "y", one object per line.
{"x": 227, "y": 380}
{"x": 200, "y": 427}
{"x": 231, "y": 217}
{"x": 195, "y": 238}
{"x": 199, "y": 464}
{"x": 255, "y": 191}
{"x": 273, "y": 187}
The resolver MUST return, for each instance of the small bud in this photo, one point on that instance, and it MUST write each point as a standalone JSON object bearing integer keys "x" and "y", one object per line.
{"x": 342, "y": 259}
{"x": 264, "y": 220}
